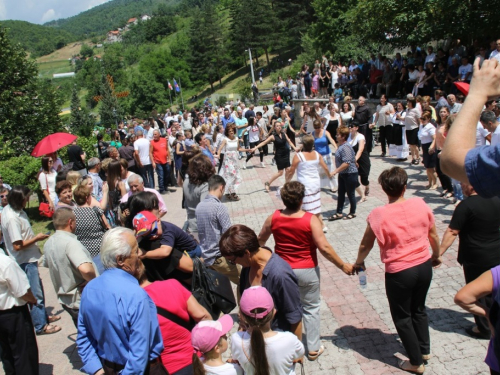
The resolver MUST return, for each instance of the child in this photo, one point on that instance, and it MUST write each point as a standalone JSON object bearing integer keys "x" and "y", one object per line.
{"x": 263, "y": 351}
{"x": 188, "y": 141}
{"x": 337, "y": 93}
{"x": 179, "y": 150}
{"x": 210, "y": 338}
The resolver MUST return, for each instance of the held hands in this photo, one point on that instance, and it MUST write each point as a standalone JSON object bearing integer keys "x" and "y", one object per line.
{"x": 436, "y": 261}
{"x": 371, "y": 126}
{"x": 431, "y": 151}
{"x": 348, "y": 269}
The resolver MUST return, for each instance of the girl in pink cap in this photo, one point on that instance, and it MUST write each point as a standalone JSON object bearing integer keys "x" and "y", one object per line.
{"x": 260, "y": 350}
{"x": 210, "y": 338}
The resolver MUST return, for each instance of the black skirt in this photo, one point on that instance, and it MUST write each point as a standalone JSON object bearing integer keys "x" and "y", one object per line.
{"x": 397, "y": 134}
{"x": 412, "y": 137}
{"x": 428, "y": 159}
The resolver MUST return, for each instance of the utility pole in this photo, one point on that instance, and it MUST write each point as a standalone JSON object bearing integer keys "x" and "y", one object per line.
{"x": 251, "y": 65}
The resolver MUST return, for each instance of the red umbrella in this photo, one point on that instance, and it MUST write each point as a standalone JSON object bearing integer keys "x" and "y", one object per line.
{"x": 52, "y": 143}
{"x": 463, "y": 87}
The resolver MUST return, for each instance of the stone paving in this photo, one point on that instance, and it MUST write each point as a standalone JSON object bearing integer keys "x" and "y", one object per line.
{"x": 357, "y": 329}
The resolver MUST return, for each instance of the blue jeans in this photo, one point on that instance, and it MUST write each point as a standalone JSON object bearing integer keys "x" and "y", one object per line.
{"x": 457, "y": 189}
{"x": 348, "y": 182}
{"x": 147, "y": 174}
{"x": 163, "y": 172}
{"x": 38, "y": 313}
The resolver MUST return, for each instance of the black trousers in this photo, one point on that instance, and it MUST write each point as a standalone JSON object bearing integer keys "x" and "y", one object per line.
{"x": 221, "y": 161}
{"x": 471, "y": 273}
{"x": 18, "y": 342}
{"x": 73, "y": 313}
{"x": 250, "y": 155}
{"x": 444, "y": 179}
{"x": 385, "y": 135}
{"x": 406, "y": 291}
{"x": 348, "y": 182}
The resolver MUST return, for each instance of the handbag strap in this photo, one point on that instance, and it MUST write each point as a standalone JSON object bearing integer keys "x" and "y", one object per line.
{"x": 47, "y": 182}
{"x": 99, "y": 217}
{"x": 174, "y": 318}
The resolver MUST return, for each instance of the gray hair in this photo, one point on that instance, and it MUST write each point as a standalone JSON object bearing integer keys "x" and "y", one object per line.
{"x": 135, "y": 177}
{"x": 93, "y": 162}
{"x": 488, "y": 116}
{"x": 114, "y": 244}
{"x": 139, "y": 133}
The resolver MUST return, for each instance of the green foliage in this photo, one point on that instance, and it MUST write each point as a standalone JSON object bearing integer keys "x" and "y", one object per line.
{"x": 88, "y": 144}
{"x": 86, "y": 50}
{"x": 81, "y": 121}
{"x": 37, "y": 39}
{"x": 146, "y": 94}
{"x": 244, "y": 88}
{"x": 110, "y": 111}
{"x": 221, "y": 101}
{"x": 21, "y": 170}
{"x": 29, "y": 107}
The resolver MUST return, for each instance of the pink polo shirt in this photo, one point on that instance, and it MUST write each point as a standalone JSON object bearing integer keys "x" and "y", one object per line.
{"x": 402, "y": 231}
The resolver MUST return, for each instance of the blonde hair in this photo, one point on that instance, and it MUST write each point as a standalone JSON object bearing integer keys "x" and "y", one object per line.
{"x": 72, "y": 177}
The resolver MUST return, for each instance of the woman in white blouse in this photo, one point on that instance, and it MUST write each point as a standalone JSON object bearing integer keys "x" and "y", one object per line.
{"x": 399, "y": 133}
{"x": 47, "y": 181}
{"x": 427, "y": 136}
{"x": 383, "y": 121}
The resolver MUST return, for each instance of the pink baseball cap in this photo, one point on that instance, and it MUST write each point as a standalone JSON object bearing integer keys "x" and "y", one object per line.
{"x": 145, "y": 224}
{"x": 256, "y": 297}
{"x": 207, "y": 333}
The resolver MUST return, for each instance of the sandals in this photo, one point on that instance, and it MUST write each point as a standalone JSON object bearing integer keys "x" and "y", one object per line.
{"x": 53, "y": 318}
{"x": 407, "y": 366}
{"x": 367, "y": 190}
{"x": 335, "y": 217}
{"x": 349, "y": 217}
{"x": 234, "y": 197}
{"x": 267, "y": 186}
{"x": 449, "y": 195}
{"x": 443, "y": 193}
{"x": 48, "y": 330}
{"x": 313, "y": 357}
{"x": 362, "y": 200}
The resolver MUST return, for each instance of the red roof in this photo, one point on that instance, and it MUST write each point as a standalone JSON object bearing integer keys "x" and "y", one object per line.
{"x": 115, "y": 32}
{"x": 132, "y": 20}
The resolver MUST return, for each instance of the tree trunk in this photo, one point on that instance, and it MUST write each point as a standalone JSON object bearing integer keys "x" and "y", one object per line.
{"x": 212, "y": 86}
{"x": 267, "y": 56}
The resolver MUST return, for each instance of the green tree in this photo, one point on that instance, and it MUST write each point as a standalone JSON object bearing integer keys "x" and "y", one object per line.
{"x": 86, "y": 51}
{"x": 146, "y": 94}
{"x": 81, "y": 122}
{"x": 29, "y": 107}
{"x": 110, "y": 111}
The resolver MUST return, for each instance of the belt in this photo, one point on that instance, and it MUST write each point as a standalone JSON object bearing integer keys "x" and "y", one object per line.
{"x": 117, "y": 367}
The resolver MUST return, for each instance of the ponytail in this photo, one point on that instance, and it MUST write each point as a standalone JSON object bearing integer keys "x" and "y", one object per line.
{"x": 258, "y": 344}
{"x": 198, "y": 368}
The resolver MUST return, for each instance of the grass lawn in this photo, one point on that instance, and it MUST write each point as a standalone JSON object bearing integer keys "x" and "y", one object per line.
{"x": 47, "y": 69}
{"x": 38, "y": 223}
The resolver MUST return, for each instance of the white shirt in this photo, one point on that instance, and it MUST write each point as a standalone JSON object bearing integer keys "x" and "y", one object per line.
{"x": 16, "y": 227}
{"x": 13, "y": 283}
{"x": 463, "y": 70}
{"x": 481, "y": 134}
{"x": 430, "y": 58}
{"x": 495, "y": 137}
{"x": 48, "y": 182}
{"x": 253, "y": 133}
{"x": 426, "y": 133}
{"x": 142, "y": 147}
{"x": 355, "y": 141}
{"x": 281, "y": 350}
{"x": 495, "y": 55}
{"x": 148, "y": 134}
{"x": 225, "y": 369}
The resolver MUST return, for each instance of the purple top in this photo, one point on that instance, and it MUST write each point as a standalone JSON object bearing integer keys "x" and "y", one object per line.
{"x": 490, "y": 359}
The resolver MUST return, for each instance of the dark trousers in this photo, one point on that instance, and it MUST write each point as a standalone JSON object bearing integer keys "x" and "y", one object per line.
{"x": 163, "y": 172}
{"x": 471, "y": 273}
{"x": 250, "y": 155}
{"x": 19, "y": 350}
{"x": 406, "y": 291}
{"x": 147, "y": 174}
{"x": 444, "y": 179}
{"x": 155, "y": 367}
{"x": 348, "y": 182}
{"x": 493, "y": 372}
{"x": 188, "y": 370}
{"x": 221, "y": 161}
{"x": 73, "y": 313}
{"x": 385, "y": 135}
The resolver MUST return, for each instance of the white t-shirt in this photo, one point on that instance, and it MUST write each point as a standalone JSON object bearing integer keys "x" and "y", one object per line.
{"x": 49, "y": 178}
{"x": 281, "y": 350}
{"x": 463, "y": 70}
{"x": 355, "y": 141}
{"x": 13, "y": 283}
{"x": 253, "y": 133}
{"x": 225, "y": 369}
{"x": 495, "y": 137}
{"x": 426, "y": 133}
{"x": 481, "y": 134}
{"x": 142, "y": 147}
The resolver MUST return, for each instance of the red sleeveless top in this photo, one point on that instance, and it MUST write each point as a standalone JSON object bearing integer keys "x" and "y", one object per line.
{"x": 294, "y": 240}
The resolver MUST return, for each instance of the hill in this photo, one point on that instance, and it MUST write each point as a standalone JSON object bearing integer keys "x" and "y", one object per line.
{"x": 38, "y": 40}
{"x": 108, "y": 16}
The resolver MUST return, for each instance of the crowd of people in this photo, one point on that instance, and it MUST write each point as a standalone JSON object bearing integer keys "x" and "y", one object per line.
{"x": 125, "y": 276}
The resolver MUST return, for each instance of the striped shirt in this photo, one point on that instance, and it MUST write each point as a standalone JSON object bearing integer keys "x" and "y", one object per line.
{"x": 213, "y": 220}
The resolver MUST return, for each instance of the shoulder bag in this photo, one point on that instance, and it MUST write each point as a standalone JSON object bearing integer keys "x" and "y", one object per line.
{"x": 212, "y": 290}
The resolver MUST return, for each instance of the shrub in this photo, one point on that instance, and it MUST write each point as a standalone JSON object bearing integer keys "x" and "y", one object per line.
{"x": 221, "y": 101}
{"x": 21, "y": 170}
{"x": 88, "y": 144}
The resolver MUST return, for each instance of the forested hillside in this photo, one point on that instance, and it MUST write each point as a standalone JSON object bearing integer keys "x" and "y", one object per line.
{"x": 108, "y": 16}
{"x": 37, "y": 39}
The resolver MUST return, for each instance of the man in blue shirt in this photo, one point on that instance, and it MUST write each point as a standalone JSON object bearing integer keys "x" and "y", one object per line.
{"x": 117, "y": 326}
{"x": 227, "y": 119}
{"x": 460, "y": 159}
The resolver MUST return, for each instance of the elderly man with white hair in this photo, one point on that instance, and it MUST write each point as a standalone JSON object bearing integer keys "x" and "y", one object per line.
{"x": 136, "y": 184}
{"x": 118, "y": 330}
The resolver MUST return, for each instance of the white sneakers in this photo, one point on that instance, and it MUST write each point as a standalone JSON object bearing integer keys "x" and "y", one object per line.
{"x": 245, "y": 165}
{"x": 262, "y": 165}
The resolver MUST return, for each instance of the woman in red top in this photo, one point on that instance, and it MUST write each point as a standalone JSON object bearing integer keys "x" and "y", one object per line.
{"x": 403, "y": 229}
{"x": 297, "y": 235}
{"x": 170, "y": 295}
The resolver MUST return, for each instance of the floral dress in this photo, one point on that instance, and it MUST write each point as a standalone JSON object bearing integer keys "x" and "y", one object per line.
{"x": 231, "y": 168}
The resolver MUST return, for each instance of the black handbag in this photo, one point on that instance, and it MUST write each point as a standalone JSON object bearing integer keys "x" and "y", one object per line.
{"x": 212, "y": 290}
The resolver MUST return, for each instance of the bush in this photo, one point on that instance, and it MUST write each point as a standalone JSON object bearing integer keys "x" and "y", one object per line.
{"x": 88, "y": 144}
{"x": 21, "y": 170}
{"x": 243, "y": 87}
{"x": 221, "y": 101}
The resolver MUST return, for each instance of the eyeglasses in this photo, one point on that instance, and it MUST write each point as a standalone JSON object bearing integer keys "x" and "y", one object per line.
{"x": 3, "y": 195}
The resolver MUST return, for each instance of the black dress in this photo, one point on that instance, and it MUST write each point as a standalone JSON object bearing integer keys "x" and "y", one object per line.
{"x": 282, "y": 151}
{"x": 332, "y": 127}
{"x": 363, "y": 162}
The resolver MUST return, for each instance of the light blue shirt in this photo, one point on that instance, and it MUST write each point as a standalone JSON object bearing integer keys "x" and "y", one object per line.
{"x": 117, "y": 322}
{"x": 239, "y": 122}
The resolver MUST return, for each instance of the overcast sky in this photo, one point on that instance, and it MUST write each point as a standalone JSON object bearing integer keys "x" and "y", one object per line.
{"x": 41, "y": 11}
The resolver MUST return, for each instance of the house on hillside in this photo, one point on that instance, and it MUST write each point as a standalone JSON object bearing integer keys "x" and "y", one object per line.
{"x": 113, "y": 36}
{"x": 132, "y": 21}
{"x": 145, "y": 17}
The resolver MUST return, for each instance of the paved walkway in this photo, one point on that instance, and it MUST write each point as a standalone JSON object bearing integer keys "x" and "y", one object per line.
{"x": 357, "y": 328}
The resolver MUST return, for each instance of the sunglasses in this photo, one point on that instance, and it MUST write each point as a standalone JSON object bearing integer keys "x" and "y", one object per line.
{"x": 3, "y": 195}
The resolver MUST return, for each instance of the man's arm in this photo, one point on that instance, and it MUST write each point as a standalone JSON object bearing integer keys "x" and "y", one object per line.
{"x": 87, "y": 271}
{"x": 461, "y": 138}
{"x": 137, "y": 159}
{"x": 23, "y": 244}
{"x": 151, "y": 156}
{"x": 85, "y": 345}
{"x": 449, "y": 237}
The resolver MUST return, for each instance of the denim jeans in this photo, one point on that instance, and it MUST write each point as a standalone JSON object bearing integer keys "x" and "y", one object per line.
{"x": 163, "y": 172}
{"x": 457, "y": 189}
{"x": 348, "y": 182}
{"x": 38, "y": 313}
{"x": 147, "y": 174}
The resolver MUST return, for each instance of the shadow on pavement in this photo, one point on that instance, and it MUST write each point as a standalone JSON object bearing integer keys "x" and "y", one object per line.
{"x": 447, "y": 320}
{"x": 73, "y": 357}
{"x": 46, "y": 369}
